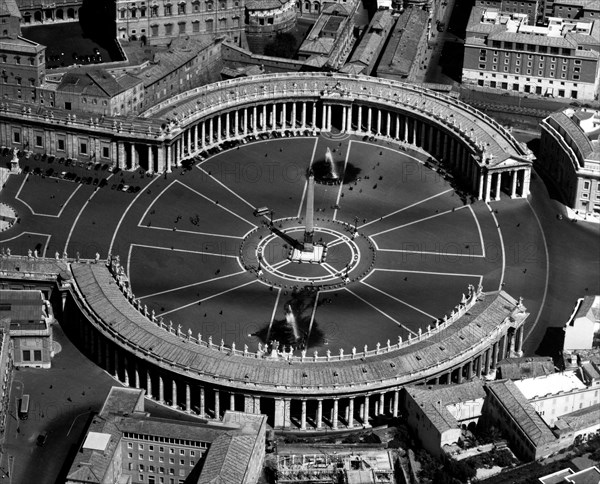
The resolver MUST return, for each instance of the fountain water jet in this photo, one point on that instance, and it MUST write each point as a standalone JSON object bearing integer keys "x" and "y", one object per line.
{"x": 333, "y": 173}
{"x": 291, "y": 321}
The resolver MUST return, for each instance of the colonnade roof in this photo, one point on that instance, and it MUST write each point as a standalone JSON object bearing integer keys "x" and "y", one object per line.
{"x": 467, "y": 337}
{"x": 489, "y": 140}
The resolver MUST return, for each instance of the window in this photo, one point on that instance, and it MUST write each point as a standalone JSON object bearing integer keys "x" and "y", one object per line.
{"x": 195, "y": 26}
{"x": 39, "y": 142}
{"x": 181, "y": 9}
{"x": 26, "y": 355}
{"x": 168, "y": 29}
{"x": 586, "y": 185}
{"x": 61, "y": 144}
{"x": 83, "y": 148}
{"x": 168, "y": 10}
{"x": 181, "y": 27}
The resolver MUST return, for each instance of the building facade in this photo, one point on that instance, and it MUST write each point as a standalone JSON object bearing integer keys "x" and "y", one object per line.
{"x": 267, "y": 18}
{"x": 570, "y": 157}
{"x": 37, "y": 12}
{"x": 504, "y": 52}
{"x": 158, "y": 22}
{"x": 22, "y": 61}
{"x": 30, "y": 318}
{"x": 126, "y": 444}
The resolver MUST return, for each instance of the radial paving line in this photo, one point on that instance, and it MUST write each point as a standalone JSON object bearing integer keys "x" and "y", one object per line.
{"x": 17, "y": 197}
{"x": 226, "y": 188}
{"x": 547, "y": 271}
{"x": 193, "y": 232}
{"x": 398, "y": 300}
{"x": 112, "y": 240}
{"x": 160, "y": 194}
{"x": 207, "y": 298}
{"x": 273, "y": 314}
{"x": 480, "y": 232}
{"x": 407, "y": 207}
{"x": 337, "y": 200}
{"x": 417, "y": 221}
{"x": 312, "y": 159}
{"x": 312, "y": 317}
{"x": 218, "y": 204}
{"x": 377, "y": 309}
{"x": 501, "y": 246}
{"x": 77, "y": 217}
{"x": 200, "y": 283}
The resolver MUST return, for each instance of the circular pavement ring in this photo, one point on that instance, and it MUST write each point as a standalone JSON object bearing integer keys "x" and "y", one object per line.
{"x": 353, "y": 258}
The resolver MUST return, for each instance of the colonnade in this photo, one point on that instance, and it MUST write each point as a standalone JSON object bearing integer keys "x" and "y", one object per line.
{"x": 310, "y": 117}
{"x": 301, "y": 412}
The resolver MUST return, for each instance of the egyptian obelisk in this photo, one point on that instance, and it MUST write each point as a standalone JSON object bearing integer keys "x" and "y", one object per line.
{"x": 309, "y": 226}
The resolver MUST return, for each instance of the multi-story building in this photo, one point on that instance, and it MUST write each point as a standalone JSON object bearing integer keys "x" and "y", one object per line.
{"x": 22, "y": 61}
{"x": 583, "y": 327}
{"x": 30, "y": 320}
{"x": 405, "y": 45}
{"x": 159, "y": 22}
{"x": 534, "y": 9}
{"x": 576, "y": 9}
{"x": 125, "y": 444}
{"x": 329, "y": 41}
{"x": 367, "y": 51}
{"x": 6, "y": 368}
{"x": 49, "y": 11}
{"x": 570, "y": 157}
{"x": 266, "y": 18}
{"x": 504, "y": 52}
{"x": 93, "y": 91}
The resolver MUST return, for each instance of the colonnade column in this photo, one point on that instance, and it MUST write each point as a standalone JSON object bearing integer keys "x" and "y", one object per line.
{"x": 381, "y": 403}
{"x": 121, "y": 163}
{"x": 314, "y": 115}
{"x": 351, "y": 413}
{"x": 188, "y": 398}
{"x": 217, "y": 404}
{"x": 526, "y": 182}
{"x": 329, "y": 109}
{"x": 133, "y": 158}
{"x": 293, "y": 125}
{"x": 387, "y": 127}
{"x": 334, "y": 416}
{"x": 202, "y": 408}
{"x": 324, "y": 118}
{"x": 284, "y": 116}
{"x": 196, "y": 144}
{"x": 174, "y": 393}
{"x": 379, "y": 122}
{"x": 498, "y": 182}
{"x": 513, "y": 188}
{"x": 161, "y": 389}
{"x": 303, "y": 416}
{"x": 343, "y": 118}
{"x": 203, "y": 135}
{"x": 148, "y": 383}
{"x": 359, "y": 124}
{"x": 365, "y": 416}
{"x": 219, "y": 128}
{"x": 488, "y": 187}
{"x": 303, "y": 126}
{"x": 264, "y": 118}
{"x": 397, "y": 135}
{"x": 150, "y": 160}
{"x": 349, "y": 119}
{"x": 245, "y": 121}
{"x": 319, "y": 413}
{"x": 236, "y": 125}
{"x": 395, "y": 403}
{"x": 161, "y": 159}
{"x": 369, "y": 119}
{"x": 169, "y": 158}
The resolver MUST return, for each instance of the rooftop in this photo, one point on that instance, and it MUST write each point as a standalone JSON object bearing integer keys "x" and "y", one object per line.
{"x": 521, "y": 411}
{"x": 106, "y": 299}
{"x": 548, "y": 385}
{"x": 525, "y": 367}
{"x": 23, "y": 306}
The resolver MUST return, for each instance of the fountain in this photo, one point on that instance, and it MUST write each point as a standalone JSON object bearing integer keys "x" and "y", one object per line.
{"x": 290, "y": 319}
{"x": 326, "y": 171}
{"x": 333, "y": 174}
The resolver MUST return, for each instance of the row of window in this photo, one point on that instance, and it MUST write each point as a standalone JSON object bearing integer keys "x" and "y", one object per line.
{"x": 542, "y": 58}
{"x": 168, "y": 10}
{"x": 526, "y": 88}
{"x": 161, "y": 459}
{"x": 165, "y": 440}
{"x": 531, "y": 47}
{"x": 60, "y": 146}
{"x": 529, "y": 72}
{"x": 20, "y": 60}
{"x": 18, "y": 81}
{"x": 37, "y": 355}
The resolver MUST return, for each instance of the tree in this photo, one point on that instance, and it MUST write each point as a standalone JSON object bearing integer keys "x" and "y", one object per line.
{"x": 284, "y": 45}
